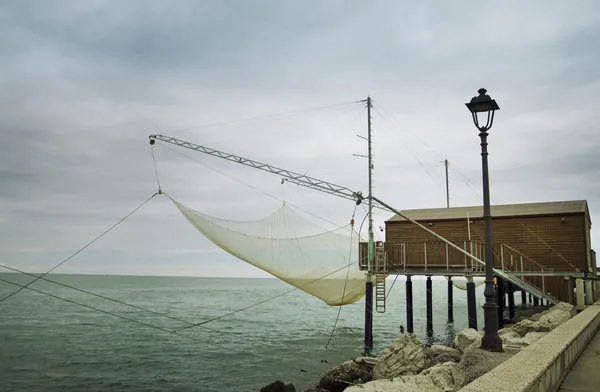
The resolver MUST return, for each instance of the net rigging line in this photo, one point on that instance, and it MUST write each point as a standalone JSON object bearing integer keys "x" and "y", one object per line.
{"x": 248, "y": 185}
{"x": 473, "y": 183}
{"x": 171, "y": 332}
{"x": 80, "y": 250}
{"x": 263, "y": 301}
{"x": 347, "y": 273}
{"x": 266, "y": 116}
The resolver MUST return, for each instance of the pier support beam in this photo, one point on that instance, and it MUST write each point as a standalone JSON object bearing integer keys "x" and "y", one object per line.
{"x": 429, "y": 295}
{"x": 471, "y": 303}
{"x": 368, "y": 318}
{"x": 523, "y": 297}
{"x": 530, "y": 298}
{"x": 511, "y": 300}
{"x": 409, "y": 305}
{"x": 500, "y": 300}
{"x": 450, "y": 300}
{"x": 536, "y": 301}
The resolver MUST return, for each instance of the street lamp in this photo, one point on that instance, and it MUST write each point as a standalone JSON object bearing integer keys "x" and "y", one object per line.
{"x": 483, "y": 103}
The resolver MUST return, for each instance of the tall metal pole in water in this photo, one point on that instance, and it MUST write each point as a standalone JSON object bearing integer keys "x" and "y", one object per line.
{"x": 369, "y": 283}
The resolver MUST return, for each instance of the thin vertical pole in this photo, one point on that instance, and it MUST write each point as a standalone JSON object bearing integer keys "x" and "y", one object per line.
{"x": 450, "y": 300}
{"x": 429, "y": 296}
{"x": 511, "y": 301}
{"x": 471, "y": 304}
{"x": 447, "y": 185}
{"x": 409, "y": 305}
{"x": 500, "y": 300}
{"x": 369, "y": 284}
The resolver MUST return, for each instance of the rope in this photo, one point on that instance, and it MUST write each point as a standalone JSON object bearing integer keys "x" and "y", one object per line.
{"x": 263, "y": 301}
{"x": 79, "y": 251}
{"x": 345, "y": 282}
{"x": 139, "y": 322}
{"x": 264, "y": 116}
{"x": 248, "y": 185}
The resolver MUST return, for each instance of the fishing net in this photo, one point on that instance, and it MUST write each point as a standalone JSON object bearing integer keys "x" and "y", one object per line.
{"x": 293, "y": 249}
{"x": 461, "y": 282}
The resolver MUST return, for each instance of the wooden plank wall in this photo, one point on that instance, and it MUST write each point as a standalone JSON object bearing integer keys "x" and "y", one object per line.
{"x": 556, "y": 243}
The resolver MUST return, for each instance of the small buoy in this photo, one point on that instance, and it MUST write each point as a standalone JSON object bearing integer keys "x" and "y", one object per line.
{"x": 352, "y": 221}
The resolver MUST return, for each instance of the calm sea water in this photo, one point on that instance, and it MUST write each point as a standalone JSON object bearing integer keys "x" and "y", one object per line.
{"x": 51, "y": 345}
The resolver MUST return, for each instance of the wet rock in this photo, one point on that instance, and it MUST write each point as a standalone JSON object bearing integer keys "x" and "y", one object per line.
{"x": 440, "y": 354}
{"x": 278, "y": 386}
{"x": 357, "y": 371}
{"x": 403, "y": 357}
{"x": 466, "y": 338}
{"x": 315, "y": 389}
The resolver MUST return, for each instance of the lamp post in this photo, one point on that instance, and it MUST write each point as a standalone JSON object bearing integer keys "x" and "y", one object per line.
{"x": 484, "y": 104}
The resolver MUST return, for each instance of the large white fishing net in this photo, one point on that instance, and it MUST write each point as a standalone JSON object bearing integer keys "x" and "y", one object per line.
{"x": 293, "y": 249}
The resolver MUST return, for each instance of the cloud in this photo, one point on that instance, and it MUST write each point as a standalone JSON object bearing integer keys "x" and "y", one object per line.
{"x": 83, "y": 85}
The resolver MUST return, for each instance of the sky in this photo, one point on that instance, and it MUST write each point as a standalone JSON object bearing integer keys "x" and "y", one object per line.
{"x": 83, "y": 84}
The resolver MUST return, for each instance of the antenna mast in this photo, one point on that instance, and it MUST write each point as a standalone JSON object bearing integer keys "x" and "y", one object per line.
{"x": 447, "y": 185}
{"x": 370, "y": 156}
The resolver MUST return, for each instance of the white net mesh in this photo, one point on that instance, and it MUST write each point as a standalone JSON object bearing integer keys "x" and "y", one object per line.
{"x": 461, "y": 282}
{"x": 289, "y": 247}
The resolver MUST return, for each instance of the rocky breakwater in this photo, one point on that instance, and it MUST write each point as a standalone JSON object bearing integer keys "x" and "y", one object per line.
{"x": 408, "y": 365}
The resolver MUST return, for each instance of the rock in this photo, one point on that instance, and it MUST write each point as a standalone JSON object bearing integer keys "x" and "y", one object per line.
{"x": 440, "y": 354}
{"x": 532, "y": 337}
{"x": 413, "y": 383}
{"x": 315, "y": 389}
{"x": 405, "y": 356}
{"x": 475, "y": 362}
{"x": 466, "y": 338}
{"x": 442, "y": 375}
{"x": 357, "y": 371}
{"x": 547, "y": 320}
{"x": 278, "y": 386}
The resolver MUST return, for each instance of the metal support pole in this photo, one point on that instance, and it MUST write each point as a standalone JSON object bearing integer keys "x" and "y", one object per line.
{"x": 490, "y": 340}
{"x": 429, "y": 295}
{"x": 409, "y": 305}
{"x": 369, "y": 283}
{"x": 511, "y": 301}
{"x": 450, "y": 300}
{"x": 500, "y": 301}
{"x": 471, "y": 305}
{"x": 369, "y": 319}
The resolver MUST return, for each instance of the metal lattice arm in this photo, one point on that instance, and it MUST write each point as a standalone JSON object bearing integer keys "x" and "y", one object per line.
{"x": 290, "y": 176}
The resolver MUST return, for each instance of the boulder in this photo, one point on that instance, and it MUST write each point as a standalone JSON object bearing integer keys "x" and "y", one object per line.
{"x": 466, "y": 338}
{"x": 475, "y": 362}
{"x": 413, "y": 383}
{"x": 406, "y": 355}
{"x": 442, "y": 375}
{"x": 278, "y": 386}
{"x": 532, "y": 337}
{"x": 547, "y": 320}
{"x": 440, "y": 354}
{"x": 315, "y": 389}
{"x": 357, "y": 371}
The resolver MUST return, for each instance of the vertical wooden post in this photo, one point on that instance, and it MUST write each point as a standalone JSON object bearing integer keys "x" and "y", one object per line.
{"x": 523, "y": 297}
{"x": 429, "y": 295}
{"x": 409, "y": 305}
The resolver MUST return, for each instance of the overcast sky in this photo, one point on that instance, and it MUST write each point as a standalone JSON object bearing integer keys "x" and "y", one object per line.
{"x": 83, "y": 84}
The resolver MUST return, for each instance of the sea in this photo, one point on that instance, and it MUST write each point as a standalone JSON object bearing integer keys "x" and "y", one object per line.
{"x": 252, "y": 332}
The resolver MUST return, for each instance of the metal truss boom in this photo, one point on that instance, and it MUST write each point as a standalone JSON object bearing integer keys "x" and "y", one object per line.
{"x": 289, "y": 176}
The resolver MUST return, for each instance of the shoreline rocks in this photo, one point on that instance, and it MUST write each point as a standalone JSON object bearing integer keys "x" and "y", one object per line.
{"x": 408, "y": 365}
